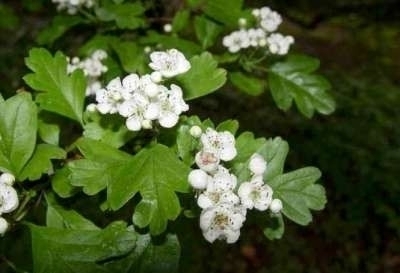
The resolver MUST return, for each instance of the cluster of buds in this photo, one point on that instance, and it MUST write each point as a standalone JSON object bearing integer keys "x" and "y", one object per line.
{"x": 8, "y": 199}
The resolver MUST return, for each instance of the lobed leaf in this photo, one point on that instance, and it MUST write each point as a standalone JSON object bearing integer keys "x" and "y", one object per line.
{"x": 203, "y": 77}
{"x": 291, "y": 80}
{"x": 299, "y": 194}
{"x": 157, "y": 174}
{"x": 58, "y": 92}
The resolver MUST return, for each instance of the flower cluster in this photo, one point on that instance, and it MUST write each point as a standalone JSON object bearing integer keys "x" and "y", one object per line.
{"x": 261, "y": 35}
{"x": 72, "y": 6}
{"x": 143, "y": 99}
{"x": 92, "y": 67}
{"x": 8, "y": 198}
{"x": 224, "y": 210}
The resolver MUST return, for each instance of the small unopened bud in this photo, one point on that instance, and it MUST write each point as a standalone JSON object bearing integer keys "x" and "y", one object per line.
{"x": 3, "y": 226}
{"x": 91, "y": 108}
{"x": 167, "y": 28}
{"x": 198, "y": 179}
{"x": 156, "y": 76}
{"x": 146, "y": 124}
{"x": 147, "y": 49}
{"x": 257, "y": 164}
{"x": 276, "y": 206}
{"x": 242, "y": 22}
{"x": 7, "y": 179}
{"x": 195, "y": 131}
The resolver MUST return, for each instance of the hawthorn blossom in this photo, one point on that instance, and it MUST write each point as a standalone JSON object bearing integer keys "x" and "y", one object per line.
{"x": 269, "y": 20}
{"x": 92, "y": 68}
{"x": 236, "y": 41}
{"x": 255, "y": 194}
{"x": 222, "y": 144}
{"x": 72, "y": 6}
{"x": 222, "y": 222}
{"x": 169, "y": 63}
{"x": 207, "y": 161}
{"x": 213, "y": 196}
{"x": 279, "y": 44}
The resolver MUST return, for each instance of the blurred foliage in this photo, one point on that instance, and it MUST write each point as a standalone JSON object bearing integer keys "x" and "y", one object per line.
{"x": 357, "y": 148}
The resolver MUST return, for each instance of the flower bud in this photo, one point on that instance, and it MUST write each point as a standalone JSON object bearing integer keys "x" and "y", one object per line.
{"x": 3, "y": 226}
{"x": 195, "y": 131}
{"x": 167, "y": 28}
{"x": 276, "y": 206}
{"x": 257, "y": 164}
{"x": 7, "y": 179}
{"x": 198, "y": 179}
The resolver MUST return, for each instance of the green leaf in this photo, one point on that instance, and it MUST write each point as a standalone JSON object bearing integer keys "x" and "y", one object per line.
{"x": 226, "y": 12}
{"x": 58, "y": 217}
{"x": 61, "y": 185}
{"x": 58, "y": 26}
{"x": 187, "y": 47}
{"x": 274, "y": 152}
{"x": 131, "y": 56}
{"x": 149, "y": 257}
{"x": 292, "y": 80}
{"x": 186, "y": 144}
{"x": 203, "y": 77}
{"x": 70, "y": 251}
{"x": 230, "y": 125}
{"x": 250, "y": 85}
{"x": 157, "y": 174}
{"x": 40, "y": 162}
{"x": 97, "y": 170}
{"x": 48, "y": 129}
{"x": 125, "y": 15}
{"x": 299, "y": 194}
{"x": 276, "y": 228}
{"x": 207, "y": 31}
{"x": 109, "y": 129}
{"x": 180, "y": 21}
{"x": 59, "y": 93}
{"x": 18, "y": 128}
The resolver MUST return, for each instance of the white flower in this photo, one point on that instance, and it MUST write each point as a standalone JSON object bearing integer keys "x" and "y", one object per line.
{"x": 8, "y": 199}
{"x": 222, "y": 222}
{"x": 257, "y": 164}
{"x": 236, "y": 41}
{"x": 207, "y": 161}
{"x": 169, "y": 63}
{"x": 269, "y": 20}
{"x": 199, "y": 179}
{"x": 72, "y": 6}
{"x": 195, "y": 131}
{"x": 222, "y": 144}
{"x": 255, "y": 195}
{"x": 172, "y": 105}
{"x": 223, "y": 180}
{"x": 7, "y": 179}
{"x": 213, "y": 196}
{"x": 279, "y": 44}
{"x": 3, "y": 226}
{"x": 92, "y": 68}
{"x": 276, "y": 206}
{"x": 257, "y": 37}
